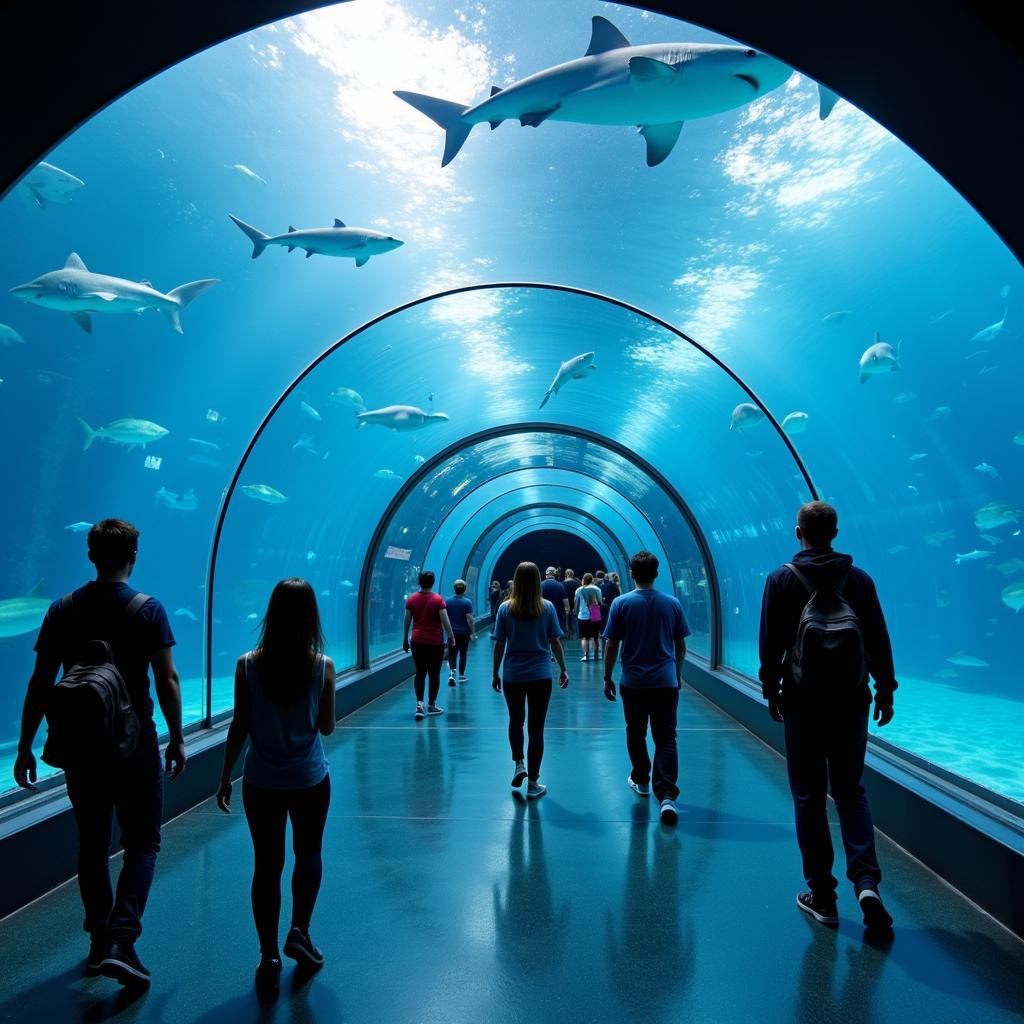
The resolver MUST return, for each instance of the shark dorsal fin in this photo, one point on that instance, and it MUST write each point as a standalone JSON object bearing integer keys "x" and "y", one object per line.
{"x": 495, "y": 89}
{"x": 37, "y": 590}
{"x": 648, "y": 69}
{"x": 148, "y": 284}
{"x": 338, "y": 223}
{"x": 604, "y": 36}
{"x": 75, "y": 262}
{"x": 291, "y": 228}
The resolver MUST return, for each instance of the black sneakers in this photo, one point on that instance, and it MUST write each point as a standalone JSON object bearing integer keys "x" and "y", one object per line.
{"x": 268, "y": 976}
{"x": 821, "y": 908}
{"x": 98, "y": 947}
{"x": 300, "y": 948}
{"x": 876, "y": 917}
{"x": 122, "y": 964}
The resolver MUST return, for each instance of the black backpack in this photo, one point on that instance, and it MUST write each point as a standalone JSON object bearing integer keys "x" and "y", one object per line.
{"x": 89, "y": 715}
{"x": 829, "y": 646}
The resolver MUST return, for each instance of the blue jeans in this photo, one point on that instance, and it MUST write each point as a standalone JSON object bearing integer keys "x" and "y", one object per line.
{"x": 134, "y": 790}
{"x": 825, "y": 747}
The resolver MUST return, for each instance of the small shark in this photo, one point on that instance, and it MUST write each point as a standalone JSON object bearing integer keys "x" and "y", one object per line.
{"x": 346, "y": 396}
{"x": 656, "y": 86}
{"x": 358, "y": 244}
{"x": 795, "y": 423}
{"x": 835, "y": 318}
{"x": 746, "y": 414}
{"x": 879, "y": 358}
{"x": 990, "y": 333}
{"x": 9, "y": 336}
{"x": 401, "y": 417}
{"x": 973, "y": 556}
{"x": 48, "y": 184}
{"x": 577, "y": 368}
{"x": 186, "y": 613}
{"x": 187, "y": 502}
{"x": 246, "y": 172}
{"x": 263, "y": 492}
{"x": 20, "y": 615}
{"x": 81, "y": 527}
{"x": 129, "y": 432}
{"x": 76, "y": 290}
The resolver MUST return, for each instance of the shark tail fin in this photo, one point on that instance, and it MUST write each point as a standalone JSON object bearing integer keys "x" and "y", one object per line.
{"x": 827, "y": 99}
{"x": 90, "y": 434}
{"x": 444, "y": 114}
{"x": 547, "y": 396}
{"x": 182, "y": 296}
{"x": 258, "y": 239}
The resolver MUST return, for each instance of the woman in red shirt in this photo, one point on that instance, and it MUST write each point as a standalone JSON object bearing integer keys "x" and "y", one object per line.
{"x": 426, "y": 611}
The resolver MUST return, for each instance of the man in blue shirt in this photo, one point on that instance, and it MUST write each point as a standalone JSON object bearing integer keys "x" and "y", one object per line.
{"x": 552, "y": 590}
{"x": 460, "y": 614}
{"x": 651, "y": 630}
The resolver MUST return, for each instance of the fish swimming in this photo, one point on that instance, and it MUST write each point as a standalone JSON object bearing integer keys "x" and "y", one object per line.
{"x": 967, "y": 660}
{"x": 186, "y": 613}
{"x": 46, "y": 183}
{"x": 939, "y": 412}
{"x": 187, "y": 502}
{"x": 938, "y": 538}
{"x": 386, "y": 474}
{"x": 306, "y": 443}
{"x": 310, "y": 411}
{"x": 946, "y": 673}
{"x": 346, "y": 396}
{"x": 205, "y": 445}
{"x": 246, "y": 172}
{"x": 746, "y": 414}
{"x": 1013, "y": 596}
{"x": 20, "y": 615}
{"x": 577, "y": 368}
{"x": 347, "y": 584}
{"x": 918, "y": 456}
{"x": 990, "y": 539}
{"x": 75, "y": 290}
{"x": 358, "y": 244}
{"x": 984, "y": 467}
{"x": 995, "y": 514}
{"x": 835, "y": 318}
{"x": 264, "y": 493}
{"x": 204, "y": 460}
{"x": 879, "y": 358}
{"x": 897, "y": 549}
{"x": 657, "y": 86}
{"x": 992, "y": 332}
{"x": 401, "y": 417}
{"x": 795, "y": 423}
{"x": 9, "y": 336}
{"x": 1009, "y": 567}
{"x": 79, "y": 527}
{"x": 973, "y": 556}
{"x": 904, "y": 397}
{"x": 128, "y": 432}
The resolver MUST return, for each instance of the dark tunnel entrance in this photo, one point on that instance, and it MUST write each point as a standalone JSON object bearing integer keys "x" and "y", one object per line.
{"x": 557, "y": 548}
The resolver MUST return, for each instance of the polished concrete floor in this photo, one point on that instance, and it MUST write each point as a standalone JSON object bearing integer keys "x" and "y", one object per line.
{"x": 446, "y": 900}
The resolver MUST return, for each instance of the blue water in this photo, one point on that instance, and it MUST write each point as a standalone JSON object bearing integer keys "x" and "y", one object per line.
{"x": 761, "y": 223}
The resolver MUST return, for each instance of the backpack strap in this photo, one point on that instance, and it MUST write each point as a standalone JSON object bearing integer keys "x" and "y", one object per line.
{"x": 133, "y": 607}
{"x": 801, "y": 577}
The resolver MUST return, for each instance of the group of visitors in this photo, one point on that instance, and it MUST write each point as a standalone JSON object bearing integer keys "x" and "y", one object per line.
{"x": 822, "y": 634}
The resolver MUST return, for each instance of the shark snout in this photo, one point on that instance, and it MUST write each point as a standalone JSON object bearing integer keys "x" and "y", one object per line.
{"x": 394, "y": 243}
{"x": 25, "y": 292}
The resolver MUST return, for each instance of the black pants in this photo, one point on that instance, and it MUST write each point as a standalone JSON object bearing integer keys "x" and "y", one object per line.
{"x": 823, "y": 748}
{"x": 460, "y": 651}
{"x": 427, "y": 658}
{"x": 658, "y": 705}
{"x": 134, "y": 790}
{"x": 536, "y": 693}
{"x": 267, "y": 811}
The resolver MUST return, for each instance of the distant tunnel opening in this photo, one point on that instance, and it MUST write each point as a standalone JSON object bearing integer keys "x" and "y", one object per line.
{"x": 557, "y": 548}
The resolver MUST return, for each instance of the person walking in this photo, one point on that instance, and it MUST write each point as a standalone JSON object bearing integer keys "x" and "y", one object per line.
{"x": 610, "y": 590}
{"x": 129, "y": 784}
{"x": 284, "y": 703}
{"x": 650, "y": 630}
{"x": 427, "y": 614}
{"x": 495, "y": 597}
{"x": 822, "y": 634}
{"x": 524, "y": 631}
{"x": 460, "y": 615}
{"x": 571, "y": 585}
{"x": 552, "y": 590}
{"x": 588, "y": 615}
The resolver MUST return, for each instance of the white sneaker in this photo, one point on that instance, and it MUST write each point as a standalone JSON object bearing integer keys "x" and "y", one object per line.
{"x": 451, "y": 679}
{"x": 420, "y": 713}
{"x": 462, "y": 679}
{"x": 640, "y": 788}
{"x": 535, "y": 789}
{"x": 433, "y": 709}
{"x": 520, "y": 773}
{"x": 584, "y": 658}
{"x": 669, "y": 812}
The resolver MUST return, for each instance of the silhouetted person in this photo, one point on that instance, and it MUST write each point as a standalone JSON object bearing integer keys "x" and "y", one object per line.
{"x": 427, "y": 614}
{"x": 460, "y": 615}
{"x": 552, "y": 590}
{"x": 524, "y": 631}
{"x": 284, "y": 703}
{"x": 650, "y": 629}
{"x": 610, "y": 589}
{"x": 822, "y": 633}
{"x": 139, "y": 634}
{"x": 571, "y": 585}
{"x": 495, "y": 597}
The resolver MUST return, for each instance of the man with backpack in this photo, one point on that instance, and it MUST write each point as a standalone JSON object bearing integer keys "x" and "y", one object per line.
{"x": 822, "y": 634}
{"x": 101, "y": 732}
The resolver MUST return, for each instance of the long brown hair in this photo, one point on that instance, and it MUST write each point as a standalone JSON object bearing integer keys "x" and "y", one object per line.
{"x": 291, "y": 639}
{"x": 525, "y": 601}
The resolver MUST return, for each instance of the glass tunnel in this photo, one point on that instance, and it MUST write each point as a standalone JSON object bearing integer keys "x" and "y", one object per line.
{"x": 741, "y": 307}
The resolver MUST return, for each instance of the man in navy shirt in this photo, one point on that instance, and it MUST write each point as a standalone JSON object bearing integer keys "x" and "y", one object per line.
{"x": 651, "y": 630}
{"x": 570, "y": 585}
{"x": 460, "y": 614}
{"x": 133, "y": 787}
{"x": 552, "y": 590}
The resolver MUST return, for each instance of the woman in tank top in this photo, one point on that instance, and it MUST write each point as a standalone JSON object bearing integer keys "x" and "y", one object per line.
{"x": 284, "y": 703}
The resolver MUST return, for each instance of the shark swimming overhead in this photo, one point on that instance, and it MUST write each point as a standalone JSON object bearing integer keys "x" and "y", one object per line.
{"x": 879, "y": 358}
{"x": 657, "y": 87}
{"x": 74, "y": 289}
{"x": 48, "y": 184}
{"x": 578, "y": 368}
{"x": 129, "y": 432}
{"x": 401, "y": 417}
{"x": 358, "y": 244}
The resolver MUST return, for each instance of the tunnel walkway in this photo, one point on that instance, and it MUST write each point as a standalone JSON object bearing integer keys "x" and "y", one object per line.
{"x": 446, "y": 900}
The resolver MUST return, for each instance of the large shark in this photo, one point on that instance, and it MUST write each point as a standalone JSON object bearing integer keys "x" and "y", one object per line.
{"x": 577, "y": 368}
{"x": 48, "y": 184}
{"x": 20, "y": 615}
{"x": 358, "y": 244}
{"x": 129, "y": 432}
{"x": 657, "y": 87}
{"x": 400, "y": 417}
{"x": 76, "y": 290}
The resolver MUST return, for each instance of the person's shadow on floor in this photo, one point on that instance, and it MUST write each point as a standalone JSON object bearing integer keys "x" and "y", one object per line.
{"x": 302, "y": 1000}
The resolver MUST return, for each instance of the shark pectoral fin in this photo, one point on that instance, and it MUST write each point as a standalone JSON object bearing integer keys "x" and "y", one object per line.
{"x": 827, "y": 99}
{"x": 338, "y": 223}
{"x": 660, "y": 140}
{"x": 309, "y": 252}
{"x": 38, "y": 197}
{"x": 647, "y": 69}
{"x": 493, "y": 124}
{"x": 864, "y": 377}
{"x": 604, "y": 36}
{"x": 74, "y": 262}
{"x": 105, "y": 296}
{"x": 291, "y": 248}
{"x": 361, "y": 261}
{"x": 84, "y": 320}
{"x": 535, "y": 118}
